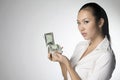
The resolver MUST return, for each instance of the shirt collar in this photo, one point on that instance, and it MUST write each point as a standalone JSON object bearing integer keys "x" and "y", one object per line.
{"x": 104, "y": 44}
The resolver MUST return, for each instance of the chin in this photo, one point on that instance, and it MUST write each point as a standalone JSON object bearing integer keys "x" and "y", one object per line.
{"x": 86, "y": 38}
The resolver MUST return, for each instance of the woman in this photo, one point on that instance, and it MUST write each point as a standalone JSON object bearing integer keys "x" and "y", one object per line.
{"x": 93, "y": 59}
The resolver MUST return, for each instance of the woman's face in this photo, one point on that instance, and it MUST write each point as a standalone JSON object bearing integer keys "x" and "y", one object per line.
{"x": 87, "y": 24}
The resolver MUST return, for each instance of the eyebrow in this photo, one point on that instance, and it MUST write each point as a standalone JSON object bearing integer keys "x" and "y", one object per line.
{"x": 82, "y": 19}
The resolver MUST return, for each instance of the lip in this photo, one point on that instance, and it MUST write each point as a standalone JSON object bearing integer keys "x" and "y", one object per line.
{"x": 84, "y": 34}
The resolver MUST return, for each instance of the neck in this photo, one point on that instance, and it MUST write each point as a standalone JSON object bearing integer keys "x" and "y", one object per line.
{"x": 96, "y": 40}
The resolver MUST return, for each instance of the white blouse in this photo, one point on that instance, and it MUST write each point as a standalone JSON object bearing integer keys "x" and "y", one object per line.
{"x": 98, "y": 65}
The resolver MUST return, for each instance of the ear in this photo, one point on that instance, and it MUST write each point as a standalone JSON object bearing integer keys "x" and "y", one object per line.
{"x": 101, "y": 22}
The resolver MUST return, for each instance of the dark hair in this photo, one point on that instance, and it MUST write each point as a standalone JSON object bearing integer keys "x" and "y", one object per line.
{"x": 99, "y": 13}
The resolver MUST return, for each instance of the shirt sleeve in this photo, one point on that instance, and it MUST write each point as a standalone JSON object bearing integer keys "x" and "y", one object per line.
{"x": 103, "y": 68}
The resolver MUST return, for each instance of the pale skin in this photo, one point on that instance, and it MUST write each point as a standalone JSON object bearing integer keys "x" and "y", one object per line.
{"x": 90, "y": 30}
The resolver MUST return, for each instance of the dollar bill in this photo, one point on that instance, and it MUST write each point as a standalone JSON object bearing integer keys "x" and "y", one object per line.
{"x": 52, "y": 47}
{"x": 49, "y": 39}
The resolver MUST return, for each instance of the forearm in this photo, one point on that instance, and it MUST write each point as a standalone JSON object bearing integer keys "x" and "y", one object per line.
{"x": 65, "y": 66}
{"x": 64, "y": 71}
{"x": 73, "y": 73}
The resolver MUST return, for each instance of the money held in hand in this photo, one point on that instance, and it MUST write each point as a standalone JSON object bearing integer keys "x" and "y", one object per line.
{"x": 52, "y": 47}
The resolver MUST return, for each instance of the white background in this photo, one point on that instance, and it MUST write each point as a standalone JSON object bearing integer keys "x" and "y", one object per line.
{"x": 23, "y": 53}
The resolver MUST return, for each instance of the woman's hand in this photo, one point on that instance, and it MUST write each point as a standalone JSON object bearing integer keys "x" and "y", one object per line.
{"x": 50, "y": 56}
{"x": 57, "y": 57}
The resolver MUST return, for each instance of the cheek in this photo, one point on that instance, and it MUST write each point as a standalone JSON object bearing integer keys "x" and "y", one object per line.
{"x": 93, "y": 31}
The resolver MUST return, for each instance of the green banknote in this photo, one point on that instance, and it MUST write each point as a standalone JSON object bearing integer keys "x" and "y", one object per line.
{"x": 52, "y": 47}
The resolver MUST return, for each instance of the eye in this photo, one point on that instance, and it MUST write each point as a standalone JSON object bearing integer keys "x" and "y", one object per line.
{"x": 78, "y": 23}
{"x": 85, "y": 22}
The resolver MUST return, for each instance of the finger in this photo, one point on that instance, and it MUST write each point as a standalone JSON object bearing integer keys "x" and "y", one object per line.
{"x": 55, "y": 57}
{"x": 56, "y": 52}
{"x": 59, "y": 55}
{"x": 50, "y": 56}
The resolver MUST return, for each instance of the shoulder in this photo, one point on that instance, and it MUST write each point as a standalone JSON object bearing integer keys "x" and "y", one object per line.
{"x": 106, "y": 56}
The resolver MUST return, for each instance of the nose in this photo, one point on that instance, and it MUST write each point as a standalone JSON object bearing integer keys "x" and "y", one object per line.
{"x": 81, "y": 28}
